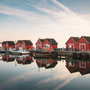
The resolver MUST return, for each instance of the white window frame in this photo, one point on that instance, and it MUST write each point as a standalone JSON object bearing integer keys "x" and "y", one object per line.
{"x": 82, "y": 45}
{"x": 82, "y": 64}
{"x": 71, "y": 45}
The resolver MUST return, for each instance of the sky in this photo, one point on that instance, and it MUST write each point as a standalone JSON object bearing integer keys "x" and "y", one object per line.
{"x": 34, "y": 19}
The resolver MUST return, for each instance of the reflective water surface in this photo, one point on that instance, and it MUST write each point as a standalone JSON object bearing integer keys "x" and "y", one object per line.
{"x": 27, "y": 73}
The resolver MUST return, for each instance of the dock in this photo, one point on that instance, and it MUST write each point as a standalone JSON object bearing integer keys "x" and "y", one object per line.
{"x": 77, "y": 55}
{"x": 74, "y": 54}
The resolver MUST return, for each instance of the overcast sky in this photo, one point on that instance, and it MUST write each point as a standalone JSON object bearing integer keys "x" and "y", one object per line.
{"x": 33, "y": 19}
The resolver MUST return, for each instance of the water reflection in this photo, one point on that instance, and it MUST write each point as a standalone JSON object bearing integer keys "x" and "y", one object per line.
{"x": 8, "y": 58}
{"x": 73, "y": 66}
{"x": 47, "y": 63}
{"x": 24, "y": 60}
{"x": 54, "y": 74}
{"x": 78, "y": 66}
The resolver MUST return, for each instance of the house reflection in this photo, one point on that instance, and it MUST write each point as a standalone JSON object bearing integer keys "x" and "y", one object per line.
{"x": 78, "y": 66}
{"x": 8, "y": 58}
{"x": 46, "y": 63}
{"x": 24, "y": 60}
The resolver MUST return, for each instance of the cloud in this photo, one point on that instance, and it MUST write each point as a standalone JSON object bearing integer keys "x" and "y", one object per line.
{"x": 61, "y": 78}
{"x": 52, "y": 19}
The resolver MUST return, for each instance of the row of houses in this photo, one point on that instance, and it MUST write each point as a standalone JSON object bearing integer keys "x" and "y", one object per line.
{"x": 20, "y": 44}
{"x": 78, "y": 44}
{"x": 47, "y": 43}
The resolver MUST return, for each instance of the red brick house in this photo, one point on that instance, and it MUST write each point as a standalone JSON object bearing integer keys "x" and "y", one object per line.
{"x": 24, "y": 44}
{"x": 84, "y": 43}
{"x": 50, "y": 44}
{"x": 40, "y": 44}
{"x": 8, "y": 45}
{"x": 72, "y": 43}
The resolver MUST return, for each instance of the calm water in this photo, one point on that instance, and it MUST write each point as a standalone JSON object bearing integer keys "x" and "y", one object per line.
{"x": 24, "y": 72}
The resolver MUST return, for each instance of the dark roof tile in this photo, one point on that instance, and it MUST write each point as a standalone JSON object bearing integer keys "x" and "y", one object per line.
{"x": 42, "y": 40}
{"x": 51, "y": 41}
{"x": 75, "y": 38}
{"x": 87, "y": 38}
{"x": 10, "y": 42}
{"x": 27, "y": 42}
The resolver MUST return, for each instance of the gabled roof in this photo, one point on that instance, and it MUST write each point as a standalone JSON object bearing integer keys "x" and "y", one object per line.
{"x": 42, "y": 40}
{"x": 27, "y": 42}
{"x": 87, "y": 38}
{"x": 51, "y": 41}
{"x": 10, "y": 42}
{"x": 20, "y": 41}
{"x": 74, "y": 38}
{"x": 4, "y": 42}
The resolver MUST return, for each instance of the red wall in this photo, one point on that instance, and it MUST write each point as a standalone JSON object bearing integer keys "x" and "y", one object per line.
{"x": 7, "y": 47}
{"x": 38, "y": 44}
{"x": 82, "y": 40}
{"x": 27, "y": 47}
{"x": 71, "y": 41}
{"x": 53, "y": 46}
{"x": 18, "y": 44}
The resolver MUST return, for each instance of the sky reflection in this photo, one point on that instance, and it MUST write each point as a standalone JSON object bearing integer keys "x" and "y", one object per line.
{"x": 31, "y": 76}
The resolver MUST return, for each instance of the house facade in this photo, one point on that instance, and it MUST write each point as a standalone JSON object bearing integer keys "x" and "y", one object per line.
{"x": 8, "y": 45}
{"x": 18, "y": 44}
{"x": 24, "y": 45}
{"x": 84, "y": 43}
{"x": 72, "y": 44}
{"x": 50, "y": 44}
{"x": 40, "y": 44}
{"x": 47, "y": 44}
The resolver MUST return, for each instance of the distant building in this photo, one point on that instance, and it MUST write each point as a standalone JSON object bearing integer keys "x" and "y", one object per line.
{"x": 8, "y": 45}
{"x": 40, "y": 44}
{"x": 24, "y": 45}
{"x": 18, "y": 44}
{"x": 47, "y": 44}
{"x": 50, "y": 44}
{"x": 72, "y": 44}
{"x": 84, "y": 43}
